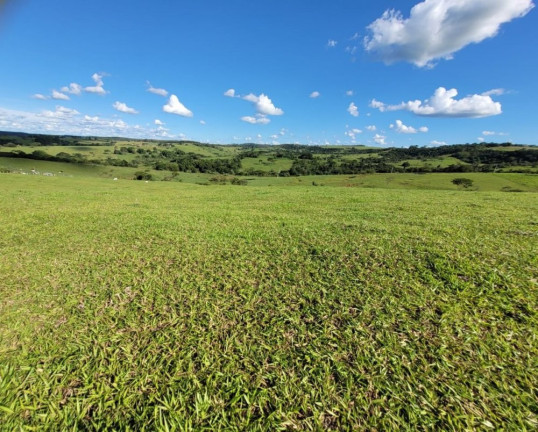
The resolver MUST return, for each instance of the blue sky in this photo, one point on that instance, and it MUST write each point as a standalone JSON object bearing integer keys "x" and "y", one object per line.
{"x": 388, "y": 73}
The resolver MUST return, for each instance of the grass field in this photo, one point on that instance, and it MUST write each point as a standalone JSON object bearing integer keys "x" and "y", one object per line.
{"x": 507, "y": 182}
{"x": 263, "y": 164}
{"x": 171, "y": 306}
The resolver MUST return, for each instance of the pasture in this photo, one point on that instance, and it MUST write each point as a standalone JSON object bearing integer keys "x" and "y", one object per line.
{"x": 172, "y": 306}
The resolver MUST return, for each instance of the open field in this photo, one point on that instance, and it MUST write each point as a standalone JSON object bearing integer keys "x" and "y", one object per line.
{"x": 171, "y": 306}
{"x": 506, "y": 182}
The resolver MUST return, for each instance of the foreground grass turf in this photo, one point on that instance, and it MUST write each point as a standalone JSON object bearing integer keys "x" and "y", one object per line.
{"x": 168, "y": 306}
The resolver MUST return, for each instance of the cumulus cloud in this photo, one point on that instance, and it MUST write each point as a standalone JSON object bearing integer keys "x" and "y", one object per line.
{"x": 40, "y": 96}
{"x": 352, "y": 133}
{"x": 353, "y": 110}
{"x": 230, "y": 93}
{"x": 444, "y": 104}
{"x": 378, "y": 105}
{"x": 403, "y": 129}
{"x": 158, "y": 122}
{"x": 59, "y": 95}
{"x": 72, "y": 88}
{"x": 371, "y": 128}
{"x": 315, "y": 94}
{"x": 157, "y": 91}
{"x": 122, "y": 107}
{"x": 436, "y": 29}
{"x": 259, "y": 119}
{"x": 332, "y": 43}
{"x": 437, "y": 143}
{"x": 380, "y": 139}
{"x": 98, "y": 88}
{"x": 263, "y": 104}
{"x": 174, "y": 106}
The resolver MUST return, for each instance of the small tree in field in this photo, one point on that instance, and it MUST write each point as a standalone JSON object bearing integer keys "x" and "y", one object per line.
{"x": 461, "y": 181}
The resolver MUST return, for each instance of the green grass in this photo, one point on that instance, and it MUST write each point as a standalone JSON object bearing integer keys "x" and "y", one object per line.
{"x": 172, "y": 306}
{"x": 439, "y": 181}
{"x": 72, "y": 169}
{"x": 263, "y": 164}
{"x": 212, "y": 152}
{"x": 509, "y": 182}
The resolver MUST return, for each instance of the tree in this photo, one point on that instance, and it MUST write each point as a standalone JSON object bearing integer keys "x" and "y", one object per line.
{"x": 461, "y": 181}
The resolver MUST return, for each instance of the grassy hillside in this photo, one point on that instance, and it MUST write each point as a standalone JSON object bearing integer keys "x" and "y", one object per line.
{"x": 505, "y": 182}
{"x": 171, "y": 306}
{"x": 269, "y": 160}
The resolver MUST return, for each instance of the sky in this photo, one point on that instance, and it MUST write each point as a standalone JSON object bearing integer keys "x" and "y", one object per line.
{"x": 319, "y": 72}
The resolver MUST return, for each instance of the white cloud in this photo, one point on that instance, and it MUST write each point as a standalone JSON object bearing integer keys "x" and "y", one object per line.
{"x": 202, "y": 122}
{"x": 353, "y": 110}
{"x": 494, "y": 92}
{"x": 437, "y": 143}
{"x": 378, "y": 105}
{"x": 263, "y": 104}
{"x": 230, "y": 93}
{"x": 315, "y": 94}
{"x": 40, "y": 96}
{"x": 371, "y": 128}
{"x": 403, "y": 129}
{"x": 352, "y": 50}
{"x": 436, "y": 29}
{"x": 490, "y": 133}
{"x": 119, "y": 124}
{"x": 349, "y": 93}
{"x": 66, "y": 121}
{"x": 174, "y": 106}
{"x": 157, "y": 91}
{"x": 444, "y": 104}
{"x": 59, "y": 95}
{"x": 332, "y": 43}
{"x": 122, "y": 107}
{"x": 380, "y": 139}
{"x": 60, "y": 112}
{"x": 259, "y": 119}
{"x": 73, "y": 88}
{"x": 158, "y": 122}
{"x": 98, "y": 87}
{"x": 352, "y": 133}
{"x": 480, "y": 139}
